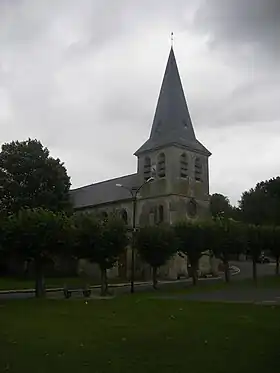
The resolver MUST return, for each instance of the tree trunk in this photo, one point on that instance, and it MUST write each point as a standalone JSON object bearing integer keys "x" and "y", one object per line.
{"x": 155, "y": 282}
{"x": 194, "y": 274}
{"x": 226, "y": 271}
{"x": 40, "y": 283}
{"x": 104, "y": 282}
{"x": 254, "y": 269}
{"x": 277, "y": 266}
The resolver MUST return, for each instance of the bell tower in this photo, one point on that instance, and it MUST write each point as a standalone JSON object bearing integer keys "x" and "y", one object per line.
{"x": 173, "y": 155}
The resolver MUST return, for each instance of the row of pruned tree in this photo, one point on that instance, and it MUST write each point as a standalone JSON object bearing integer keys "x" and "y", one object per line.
{"x": 38, "y": 235}
{"x": 224, "y": 238}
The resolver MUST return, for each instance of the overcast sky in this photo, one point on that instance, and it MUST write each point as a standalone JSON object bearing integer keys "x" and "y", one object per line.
{"x": 84, "y": 77}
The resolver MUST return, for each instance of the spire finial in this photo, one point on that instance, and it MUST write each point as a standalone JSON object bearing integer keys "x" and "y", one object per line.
{"x": 172, "y": 39}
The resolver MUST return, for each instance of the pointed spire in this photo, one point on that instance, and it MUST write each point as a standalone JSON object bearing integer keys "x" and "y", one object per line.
{"x": 172, "y": 114}
{"x": 172, "y": 122}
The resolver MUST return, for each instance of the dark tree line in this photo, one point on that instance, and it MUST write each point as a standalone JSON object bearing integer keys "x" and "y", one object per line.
{"x": 259, "y": 205}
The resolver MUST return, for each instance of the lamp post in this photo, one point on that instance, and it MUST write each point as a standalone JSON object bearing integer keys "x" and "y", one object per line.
{"x": 134, "y": 192}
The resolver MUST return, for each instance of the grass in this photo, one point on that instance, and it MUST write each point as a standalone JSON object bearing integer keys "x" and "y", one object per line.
{"x": 9, "y": 283}
{"x": 139, "y": 334}
{"x": 262, "y": 282}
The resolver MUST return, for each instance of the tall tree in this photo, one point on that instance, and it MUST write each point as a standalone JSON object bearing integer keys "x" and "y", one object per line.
{"x": 261, "y": 205}
{"x": 36, "y": 235}
{"x": 30, "y": 178}
{"x": 156, "y": 245}
{"x": 219, "y": 205}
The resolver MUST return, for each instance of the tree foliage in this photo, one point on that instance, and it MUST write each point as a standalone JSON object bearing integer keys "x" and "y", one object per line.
{"x": 30, "y": 178}
{"x": 156, "y": 245}
{"x": 219, "y": 205}
{"x": 225, "y": 238}
{"x": 274, "y": 246}
{"x": 100, "y": 241}
{"x": 36, "y": 235}
{"x": 192, "y": 241}
{"x": 256, "y": 239}
{"x": 87, "y": 235}
{"x": 261, "y": 205}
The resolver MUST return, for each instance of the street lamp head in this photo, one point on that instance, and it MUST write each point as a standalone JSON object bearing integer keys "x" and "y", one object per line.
{"x": 119, "y": 185}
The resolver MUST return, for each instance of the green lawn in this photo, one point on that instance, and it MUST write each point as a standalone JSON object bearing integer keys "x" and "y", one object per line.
{"x": 138, "y": 334}
{"x": 263, "y": 282}
{"x": 203, "y": 286}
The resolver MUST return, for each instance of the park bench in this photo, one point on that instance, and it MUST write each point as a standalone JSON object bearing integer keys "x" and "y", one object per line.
{"x": 68, "y": 292}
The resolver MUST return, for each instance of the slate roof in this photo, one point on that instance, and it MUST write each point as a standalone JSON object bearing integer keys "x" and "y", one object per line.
{"x": 103, "y": 192}
{"x": 172, "y": 122}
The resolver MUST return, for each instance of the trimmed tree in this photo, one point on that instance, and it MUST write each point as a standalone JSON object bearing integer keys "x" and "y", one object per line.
{"x": 255, "y": 240}
{"x": 30, "y": 178}
{"x": 275, "y": 249}
{"x": 101, "y": 242}
{"x": 87, "y": 232}
{"x": 3, "y": 250}
{"x": 113, "y": 241}
{"x": 271, "y": 241}
{"x": 36, "y": 235}
{"x": 192, "y": 241}
{"x": 156, "y": 245}
{"x": 225, "y": 238}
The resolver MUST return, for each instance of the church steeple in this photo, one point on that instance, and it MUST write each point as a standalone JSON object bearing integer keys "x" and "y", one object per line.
{"x": 172, "y": 123}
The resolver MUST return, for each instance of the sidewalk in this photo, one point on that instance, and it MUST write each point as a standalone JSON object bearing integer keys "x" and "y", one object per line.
{"x": 235, "y": 271}
{"x": 120, "y": 285}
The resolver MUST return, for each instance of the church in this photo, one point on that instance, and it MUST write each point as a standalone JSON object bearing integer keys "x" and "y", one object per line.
{"x": 172, "y": 173}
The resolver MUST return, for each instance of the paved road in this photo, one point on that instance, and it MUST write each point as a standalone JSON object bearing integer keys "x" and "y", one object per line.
{"x": 245, "y": 272}
{"x": 246, "y": 295}
{"x": 252, "y": 295}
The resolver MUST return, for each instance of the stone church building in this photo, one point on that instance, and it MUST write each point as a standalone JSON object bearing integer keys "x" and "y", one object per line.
{"x": 173, "y": 157}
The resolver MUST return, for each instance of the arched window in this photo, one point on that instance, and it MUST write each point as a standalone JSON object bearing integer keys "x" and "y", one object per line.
{"x": 147, "y": 168}
{"x": 160, "y": 214}
{"x": 161, "y": 165}
{"x": 192, "y": 208}
{"x": 184, "y": 166}
{"x": 123, "y": 215}
{"x": 198, "y": 169}
{"x": 154, "y": 212}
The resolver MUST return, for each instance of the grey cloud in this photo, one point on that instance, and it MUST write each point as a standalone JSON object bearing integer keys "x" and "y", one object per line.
{"x": 256, "y": 102}
{"x": 25, "y": 21}
{"x": 250, "y": 103}
{"x": 84, "y": 77}
{"x": 242, "y": 22}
